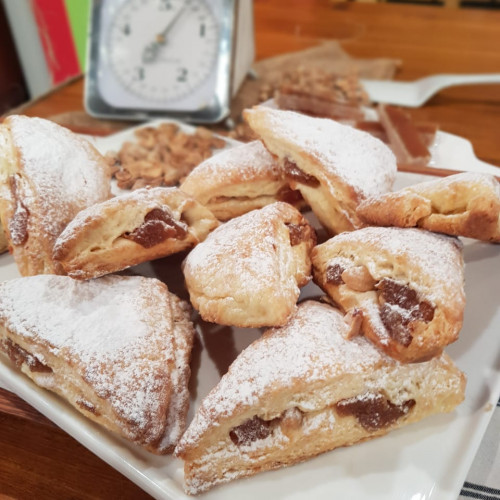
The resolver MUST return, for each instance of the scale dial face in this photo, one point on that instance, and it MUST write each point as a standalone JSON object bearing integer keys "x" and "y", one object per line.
{"x": 162, "y": 50}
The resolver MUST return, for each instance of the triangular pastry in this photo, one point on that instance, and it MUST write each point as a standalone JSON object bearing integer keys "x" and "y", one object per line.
{"x": 407, "y": 285}
{"x": 238, "y": 180}
{"x": 334, "y": 166}
{"x": 117, "y": 348}
{"x": 143, "y": 225}
{"x": 304, "y": 389}
{"x": 466, "y": 204}
{"x": 248, "y": 272}
{"x": 47, "y": 175}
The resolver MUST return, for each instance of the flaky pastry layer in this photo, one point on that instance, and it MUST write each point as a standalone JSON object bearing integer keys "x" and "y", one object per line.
{"x": 143, "y": 225}
{"x": 465, "y": 204}
{"x": 334, "y": 166}
{"x": 304, "y": 389}
{"x": 248, "y": 272}
{"x": 116, "y": 348}
{"x": 47, "y": 175}
{"x": 407, "y": 285}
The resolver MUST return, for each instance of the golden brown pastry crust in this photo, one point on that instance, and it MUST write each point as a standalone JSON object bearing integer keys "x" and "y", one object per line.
{"x": 303, "y": 389}
{"x": 408, "y": 285}
{"x": 146, "y": 224}
{"x": 334, "y": 166}
{"x": 466, "y": 204}
{"x": 116, "y": 348}
{"x": 47, "y": 175}
{"x": 238, "y": 180}
{"x": 248, "y": 271}
{"x": 4, "y": 245}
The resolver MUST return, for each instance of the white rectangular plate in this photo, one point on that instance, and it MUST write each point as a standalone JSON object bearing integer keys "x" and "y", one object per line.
{"x": 427, "y": 460}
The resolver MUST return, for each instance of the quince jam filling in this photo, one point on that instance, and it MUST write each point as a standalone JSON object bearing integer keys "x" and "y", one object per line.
{"x": 373, "y": 410}
{"x": 334, "y": 274}
{"x": 251, "y": 430}
{"x": 294, "y": 173}
{"x": 399, "y": 304}
{"x": 158, "y": 226}
{"x": 291, "y": 196}
{"x": 299, "y": 233}
{"x": 256, "y": 428}
{"x": 18, "y": 355}
{"x": 88, "y": 406}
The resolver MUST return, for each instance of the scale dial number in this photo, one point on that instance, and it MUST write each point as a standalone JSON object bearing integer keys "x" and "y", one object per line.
{"x": 162, "y": 50}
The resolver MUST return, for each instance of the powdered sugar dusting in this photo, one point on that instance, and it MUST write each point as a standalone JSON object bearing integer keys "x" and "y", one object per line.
{"x": 64, "y": 170}
{"x": 468, "y": 178}
{"x": 243, "y": 249}
{"x": 104, "y": 327}
{"x": 247, "y": 162}
{"x": 361, "y": 160}
{"x": 311, "y": 347}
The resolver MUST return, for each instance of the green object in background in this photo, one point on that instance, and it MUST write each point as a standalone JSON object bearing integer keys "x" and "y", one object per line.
{"x": 78, "y": 14}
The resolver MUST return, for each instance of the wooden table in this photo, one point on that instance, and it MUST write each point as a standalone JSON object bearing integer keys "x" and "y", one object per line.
{"x": 38, "y": 460}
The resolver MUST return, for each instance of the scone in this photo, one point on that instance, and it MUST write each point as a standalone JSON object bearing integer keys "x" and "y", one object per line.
{"x": 47, "y": 175}
{"x": 143, "y": 225}
{"x": 407, "y": 285}
{"x": 117, "y": 348}
{"x": 466, "y": 204}
{"x": 334, "y": 166}
{"x": 248, "y": 272}
{"x": 238, "y": 180}
{"x": 304, "y": 389}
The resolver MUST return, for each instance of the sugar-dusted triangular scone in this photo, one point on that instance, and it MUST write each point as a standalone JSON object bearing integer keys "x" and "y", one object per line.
{"x": 143, "y": 225}
{"x": 407, "y": 285}
{"x": 334, "y": 166}
{"x": 47, "y": 175}
{"x": 117, "y": 348}
{"x": 238, "y": 180}
{"x": 304, "y": 389}
{"x": 466, "y": 204}
{"x": 248, "y": 272}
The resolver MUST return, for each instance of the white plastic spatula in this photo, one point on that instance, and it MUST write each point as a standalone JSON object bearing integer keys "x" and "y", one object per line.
{"x": 416, "y": 93}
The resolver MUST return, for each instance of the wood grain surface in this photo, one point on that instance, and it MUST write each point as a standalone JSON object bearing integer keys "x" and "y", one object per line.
{"x": 40, "y": 461}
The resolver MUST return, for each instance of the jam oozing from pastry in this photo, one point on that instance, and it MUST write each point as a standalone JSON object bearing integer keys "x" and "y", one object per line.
{"x": 88, "y": 406}
{"x": 291, "y": 196}
{"x": 256, "y": 428}
{"x": 334, "y": 274}
{"x": 158, "y": 226}
{"x": 400, "y": 306}
{"x": 373, "y": 410}
{"x": 298, "y": 233}
{"x": 293, "y": 172}
{"x": 18, "y": 224}
{"x": 251, "y": 430}
{"x": 396, "y": 325}
{"x": 18, "y": 355}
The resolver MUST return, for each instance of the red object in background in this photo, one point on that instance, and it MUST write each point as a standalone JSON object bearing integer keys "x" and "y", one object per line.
{"x": 57, "y": 39}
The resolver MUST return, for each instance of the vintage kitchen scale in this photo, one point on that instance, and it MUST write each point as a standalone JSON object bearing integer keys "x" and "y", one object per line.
{"x": 181, "y": 59}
